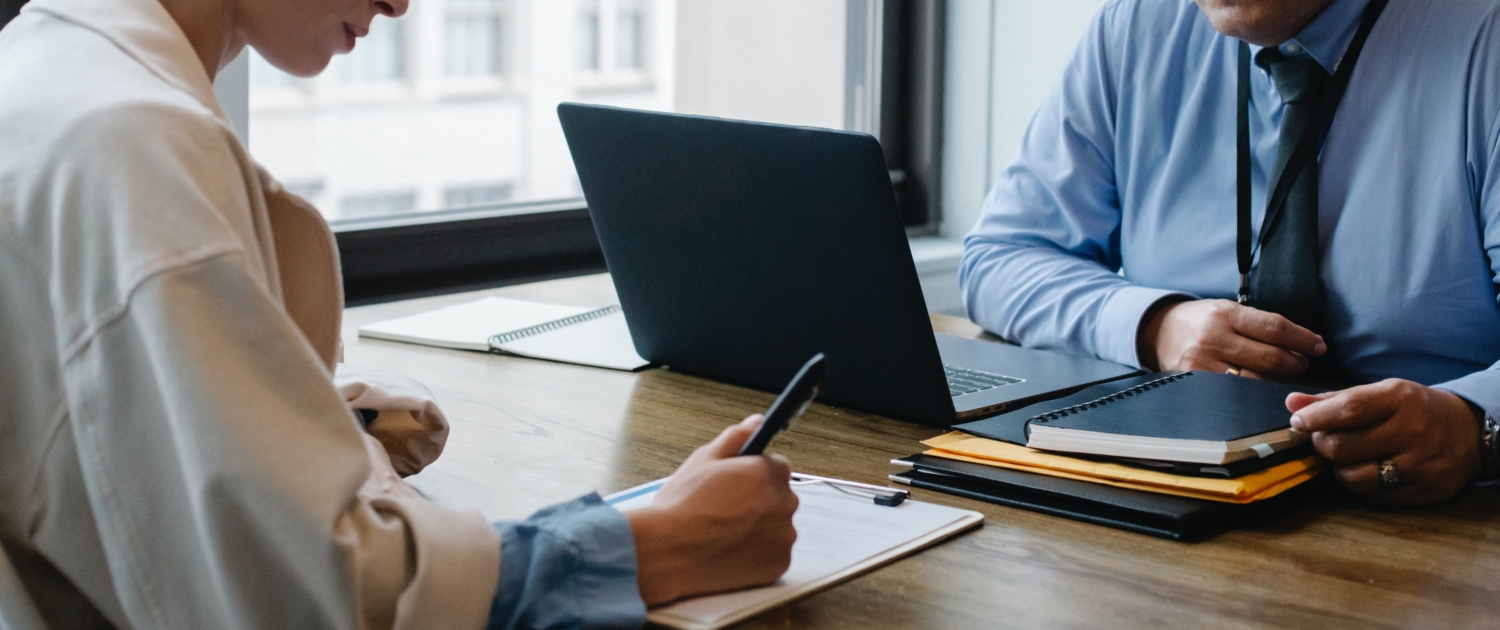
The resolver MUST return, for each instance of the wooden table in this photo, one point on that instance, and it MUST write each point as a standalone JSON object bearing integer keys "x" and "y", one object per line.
{"x": 529, "y": 433}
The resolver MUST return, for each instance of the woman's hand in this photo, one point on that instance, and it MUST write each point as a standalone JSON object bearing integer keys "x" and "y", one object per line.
{"x": 1215, "y": 335}
{"x": 721, "y": 522}
{"x": 1430, "y": 435}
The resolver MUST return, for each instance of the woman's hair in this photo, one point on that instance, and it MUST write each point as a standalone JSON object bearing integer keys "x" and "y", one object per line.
{"x": 8, "y": 10}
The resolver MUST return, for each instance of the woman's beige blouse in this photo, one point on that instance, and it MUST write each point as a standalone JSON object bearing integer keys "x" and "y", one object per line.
{"x": 173, "y": 451}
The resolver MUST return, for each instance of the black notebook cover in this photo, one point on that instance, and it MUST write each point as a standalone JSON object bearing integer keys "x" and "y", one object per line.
{"x": 1170, "y": 405}
{"x": 1162, "y": 515}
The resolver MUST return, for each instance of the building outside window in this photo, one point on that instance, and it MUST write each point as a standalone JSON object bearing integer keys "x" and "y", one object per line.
{"x": 589, "y": 35}
{"x": 454, "y": 104}
{"x": 474, "y": 37}
{"x": 477, "y": 195}
{"x": 630, "y": 35}
{"x": 380, "y": 57}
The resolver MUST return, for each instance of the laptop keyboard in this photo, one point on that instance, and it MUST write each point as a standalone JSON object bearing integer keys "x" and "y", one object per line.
{"x": 966, "y": 381}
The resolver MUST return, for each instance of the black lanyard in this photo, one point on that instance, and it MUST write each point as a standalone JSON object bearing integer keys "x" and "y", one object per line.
{"x": 1307, "y": 146}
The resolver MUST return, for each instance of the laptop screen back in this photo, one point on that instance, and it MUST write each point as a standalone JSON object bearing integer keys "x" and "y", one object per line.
{"x": 740, "y": 249}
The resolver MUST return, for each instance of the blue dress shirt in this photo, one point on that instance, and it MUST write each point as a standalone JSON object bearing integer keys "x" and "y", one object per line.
{"x": 568, "y": 566}
{"x": 1124, "y": 190}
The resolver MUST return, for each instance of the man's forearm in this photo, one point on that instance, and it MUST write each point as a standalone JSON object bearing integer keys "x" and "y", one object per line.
{"x": 1042, "y": 297}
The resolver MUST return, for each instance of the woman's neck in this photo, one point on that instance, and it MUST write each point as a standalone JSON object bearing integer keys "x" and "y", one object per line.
{"x": 210, "y": 26}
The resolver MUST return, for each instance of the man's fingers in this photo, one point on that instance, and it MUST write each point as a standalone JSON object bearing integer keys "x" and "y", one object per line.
{"x": 1349, "y": 409}
{"x": 1358, "y": 445}
{"x": 1252, "y": 374}
{"x": 1278, "y": 331}
{"x": 1264, "y": 357}
{"x": 1364, "y": 478}
{"x": 1295, "y": 401}
{"x": 1360, "y": 478}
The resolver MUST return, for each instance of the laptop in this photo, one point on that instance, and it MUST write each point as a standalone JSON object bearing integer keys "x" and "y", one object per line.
{"x": 741, "y": 249}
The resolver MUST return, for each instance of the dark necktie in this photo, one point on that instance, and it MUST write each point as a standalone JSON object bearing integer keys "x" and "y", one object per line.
{"x": 1286, "y": 280}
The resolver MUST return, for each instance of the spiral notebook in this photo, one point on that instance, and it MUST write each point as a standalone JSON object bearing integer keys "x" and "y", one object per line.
{"x": 1195, "y": 417}
{"x": 597, "y": 337}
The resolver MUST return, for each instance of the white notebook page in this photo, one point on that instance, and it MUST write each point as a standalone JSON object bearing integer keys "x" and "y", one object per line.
{"x": 470, "y": 325}
{"x": 603, "y": 342}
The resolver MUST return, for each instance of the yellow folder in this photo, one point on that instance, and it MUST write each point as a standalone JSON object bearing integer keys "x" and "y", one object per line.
{"x": 1247, "y": 489}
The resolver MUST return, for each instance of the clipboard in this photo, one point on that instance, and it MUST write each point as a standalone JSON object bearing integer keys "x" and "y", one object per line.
{"x": 843, "y": 530}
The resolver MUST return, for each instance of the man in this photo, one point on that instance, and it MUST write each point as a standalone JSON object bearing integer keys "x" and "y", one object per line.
{"x": 1115, "y": 232}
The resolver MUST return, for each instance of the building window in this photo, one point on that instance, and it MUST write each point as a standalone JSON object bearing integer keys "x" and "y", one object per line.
{"x": 309, "y": 190}
{"x": 380, "y": 57}
{"x": 265, "y": 75}
{"x": 612, "y": 37}
{"x": 630, "y": 35}
{"x": 483, "y": 195}
{"x": 474, "y": 38}
{"x": 454, "y": 104}
{"x": 377, "y": 204}
{"x": 589, "y": 33}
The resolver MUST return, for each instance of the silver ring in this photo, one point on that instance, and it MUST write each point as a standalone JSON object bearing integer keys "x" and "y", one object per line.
{"x": 1390, "y": 476}
{"x": 1234, "y": 370}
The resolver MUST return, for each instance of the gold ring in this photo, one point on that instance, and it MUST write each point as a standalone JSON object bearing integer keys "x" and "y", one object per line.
{"x": 1234, "y": 370}
{"x": 1390, "y": 476}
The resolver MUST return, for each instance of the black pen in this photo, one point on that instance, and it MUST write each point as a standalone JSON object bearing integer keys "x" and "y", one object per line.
{"x": 789, "y": 405}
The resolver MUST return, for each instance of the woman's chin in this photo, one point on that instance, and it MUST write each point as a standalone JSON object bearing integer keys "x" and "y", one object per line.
{"x": 305, "y": 65}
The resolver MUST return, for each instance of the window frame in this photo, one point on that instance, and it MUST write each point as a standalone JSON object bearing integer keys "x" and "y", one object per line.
{"x": 429, "y": 253}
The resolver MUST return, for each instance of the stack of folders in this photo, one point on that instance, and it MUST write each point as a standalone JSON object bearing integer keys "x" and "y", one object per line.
{"x": 1174, "y": 454}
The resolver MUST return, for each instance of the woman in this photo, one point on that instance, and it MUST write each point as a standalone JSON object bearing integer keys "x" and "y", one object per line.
{"x": 176, "y": 452}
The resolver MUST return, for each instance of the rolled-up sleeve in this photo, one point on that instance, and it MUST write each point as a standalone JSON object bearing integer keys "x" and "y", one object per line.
{"x": 1041, "y": 267}
{"x": 569, "y": 566}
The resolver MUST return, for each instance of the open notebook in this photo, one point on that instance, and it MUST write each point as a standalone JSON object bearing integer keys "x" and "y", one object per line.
{"x": 583, "y": 335}
{"x": 840, "y": 535}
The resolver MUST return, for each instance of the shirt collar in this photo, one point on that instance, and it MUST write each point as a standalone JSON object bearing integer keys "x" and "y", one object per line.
{"x": 146, "y": 32}
{"x": 1328, "y": 35}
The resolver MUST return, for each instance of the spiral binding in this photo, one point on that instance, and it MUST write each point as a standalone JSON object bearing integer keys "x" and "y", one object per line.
{"x": 1120, "y": 395}
{"x": 514, "y": 335}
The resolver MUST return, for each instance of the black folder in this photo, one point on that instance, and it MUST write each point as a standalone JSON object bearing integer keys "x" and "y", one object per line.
{"x": 1162, "y": 515}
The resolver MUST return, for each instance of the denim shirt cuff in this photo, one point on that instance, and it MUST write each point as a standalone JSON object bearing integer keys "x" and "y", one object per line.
{"x": 571, "y": 565}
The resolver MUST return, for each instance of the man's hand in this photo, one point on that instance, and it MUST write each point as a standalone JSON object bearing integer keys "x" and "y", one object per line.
{"x": 720, "y": 523}
{"x": 1215, "y": 335}
{"x": 1431, "y": 435}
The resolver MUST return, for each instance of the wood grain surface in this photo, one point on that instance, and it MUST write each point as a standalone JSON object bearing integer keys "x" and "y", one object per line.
{"x": 527, "y": 434}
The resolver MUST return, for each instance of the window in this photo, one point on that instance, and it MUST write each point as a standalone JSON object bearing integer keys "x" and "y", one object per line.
{"x": 451, "y": 109}
{"x": 481, "y": 195}
{"x": 473, "y": 34}
{"x": 380, "y": 57}
{"x": 377, "y": 204}
{"x": 630, "y": 35}
{"x": 588, "y": 35}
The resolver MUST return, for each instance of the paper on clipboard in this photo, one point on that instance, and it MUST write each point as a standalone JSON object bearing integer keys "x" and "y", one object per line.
{"x": 839, "y": 536}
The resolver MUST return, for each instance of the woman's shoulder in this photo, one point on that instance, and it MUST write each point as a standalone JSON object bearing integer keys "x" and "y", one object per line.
{"x": 109, "y": 172}
{"x": 61, "y": 81}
